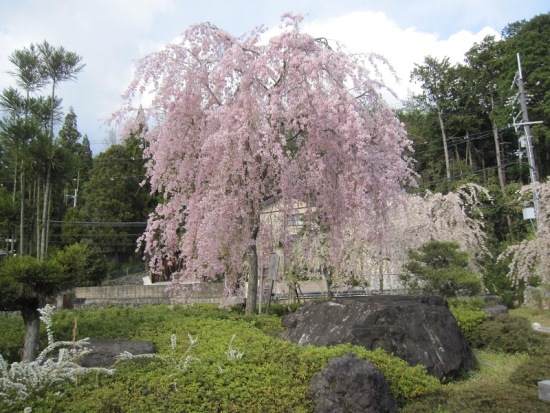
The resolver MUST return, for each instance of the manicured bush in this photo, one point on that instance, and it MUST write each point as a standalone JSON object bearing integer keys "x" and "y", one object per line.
{"x": 280, "y": 310}
{"x": 509, "y": 334}
{"x": 467, "y": 316}
{"x": 271, "y": 376}
{"x": 488, "y": 398}
{"x": 530, "y": 372}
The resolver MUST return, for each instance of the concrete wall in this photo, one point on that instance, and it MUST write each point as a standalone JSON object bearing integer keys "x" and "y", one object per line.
{"x": 136, "y": 295}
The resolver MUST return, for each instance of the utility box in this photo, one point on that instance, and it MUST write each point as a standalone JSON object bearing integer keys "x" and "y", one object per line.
{"x": 528, "y": 213}
{"x": 544, "y": 390}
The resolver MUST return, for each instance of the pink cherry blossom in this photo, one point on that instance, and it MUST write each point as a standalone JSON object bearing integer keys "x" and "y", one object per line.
{"x": 234, "y": 122}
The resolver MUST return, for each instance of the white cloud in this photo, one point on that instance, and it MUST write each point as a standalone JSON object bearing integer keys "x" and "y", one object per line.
{"x": 112, "y": 35}
{"x": 374, "y": 32}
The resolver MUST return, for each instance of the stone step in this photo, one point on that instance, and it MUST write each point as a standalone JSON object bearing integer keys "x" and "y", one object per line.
{"x": 542, "y": 329}
{"x": 544, "y": 390}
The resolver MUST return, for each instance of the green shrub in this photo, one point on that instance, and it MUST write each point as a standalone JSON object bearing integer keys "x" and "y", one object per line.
{"x": 11, "y": 337}
{"x": 530, "y": 372}
{"x": 277, "y": 310}
{"x": 280, "y": 310}
{"x": 272, "y": 376}
{"x": 509, "y": 334}
{"x": 440, "y": 268}
{"x": 489, "y": 398}
{"x": 467, "y": 317}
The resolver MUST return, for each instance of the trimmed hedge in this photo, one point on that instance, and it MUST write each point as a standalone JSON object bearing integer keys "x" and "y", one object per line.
{"x": 468, "y": 317}
{"x": 508, "y": 333}
{"x": 272, "y": 375}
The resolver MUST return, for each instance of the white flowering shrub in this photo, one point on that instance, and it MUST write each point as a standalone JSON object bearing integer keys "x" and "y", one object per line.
{"x": 531, "y": 257}
{"x": 231, "y": 353}
{"x": 180, "y": 364}
{"x": 19, "y": 381}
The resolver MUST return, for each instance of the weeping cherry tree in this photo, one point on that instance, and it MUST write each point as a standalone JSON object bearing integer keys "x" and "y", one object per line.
{"x": 233, "y": 122}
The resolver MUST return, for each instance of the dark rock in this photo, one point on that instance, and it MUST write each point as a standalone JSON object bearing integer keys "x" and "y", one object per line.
{"x": 418, "y": 329}
{"x": 495, "y": 310}
{"x": 350, "y": 384}
{"x": 104, "y": 351}
{"x": 493, "y": 300}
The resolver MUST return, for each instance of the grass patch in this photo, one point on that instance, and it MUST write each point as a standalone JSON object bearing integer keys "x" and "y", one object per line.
{"x": 495, "y": 367}
{"x": 533, "y": 315}
{"x": 509, "y": 333}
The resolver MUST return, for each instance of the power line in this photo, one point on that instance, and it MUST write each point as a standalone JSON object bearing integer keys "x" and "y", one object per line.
{"x": 97, "y": 223}
{"x": 472, "y": 173}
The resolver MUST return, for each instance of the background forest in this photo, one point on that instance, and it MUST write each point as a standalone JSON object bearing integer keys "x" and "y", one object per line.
{"x": 465, "y": 126}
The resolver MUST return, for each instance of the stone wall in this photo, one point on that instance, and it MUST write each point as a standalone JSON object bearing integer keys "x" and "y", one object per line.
{"x": 136, "y": 295}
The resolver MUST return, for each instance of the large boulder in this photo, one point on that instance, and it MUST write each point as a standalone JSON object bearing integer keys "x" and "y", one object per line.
{"x": 418, "y": 329}
{"x": 350, "y": 384}
{"x": 495, "y": 310}
{"x": 104, "y": 351}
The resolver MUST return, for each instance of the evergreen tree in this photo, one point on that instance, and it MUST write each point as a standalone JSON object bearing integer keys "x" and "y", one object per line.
{"x": 440, "y": 268}
{"x": 113, "y": 205}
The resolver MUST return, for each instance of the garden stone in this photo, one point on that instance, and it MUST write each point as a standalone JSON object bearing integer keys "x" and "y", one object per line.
{"x": 104, "y": 351}
{"x": 418, "y": 329}
{"x": 495, "y": 310}
{"x": 493, "y": 300}
{"x": 350, "y": 384}
{"x": 544, "y": 390}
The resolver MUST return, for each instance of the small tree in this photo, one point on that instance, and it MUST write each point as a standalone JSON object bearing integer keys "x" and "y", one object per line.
{"x": 440, "y": 268}
{"x": 26, "y": 284}
{"x": 85, "y": 262}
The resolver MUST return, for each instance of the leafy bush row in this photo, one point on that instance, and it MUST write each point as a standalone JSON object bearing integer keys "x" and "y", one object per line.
{"x": 508, "y": 333}
{"x": 270, "y": 375}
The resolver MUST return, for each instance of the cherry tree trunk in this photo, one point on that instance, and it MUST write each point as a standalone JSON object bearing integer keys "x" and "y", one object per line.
{"x": 252, "y": 290}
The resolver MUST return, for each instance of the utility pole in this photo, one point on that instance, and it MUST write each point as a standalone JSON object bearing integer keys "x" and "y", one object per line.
{"x": 75, "y": 196}
{"x": 526, "y": 124}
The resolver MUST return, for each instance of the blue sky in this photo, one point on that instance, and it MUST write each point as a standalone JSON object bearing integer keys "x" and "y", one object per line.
{"x": 112, "y": 35}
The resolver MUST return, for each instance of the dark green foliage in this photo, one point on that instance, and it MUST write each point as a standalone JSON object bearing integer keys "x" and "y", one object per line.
{"x": 440, "y": 268}
{"x": 114, "y": 200}
{"x": 280, "y": 310}
{"x": 468, "y": 317}
{"x": 277, "y": 310}
{"x": 508, "y": 334}
{"x": 533, "y": 370}
{"x": 85, "y": 262}
{"x": 28, "y": 282}
{"x": 12, "y": 332}
{"x": 488, "y": 398}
